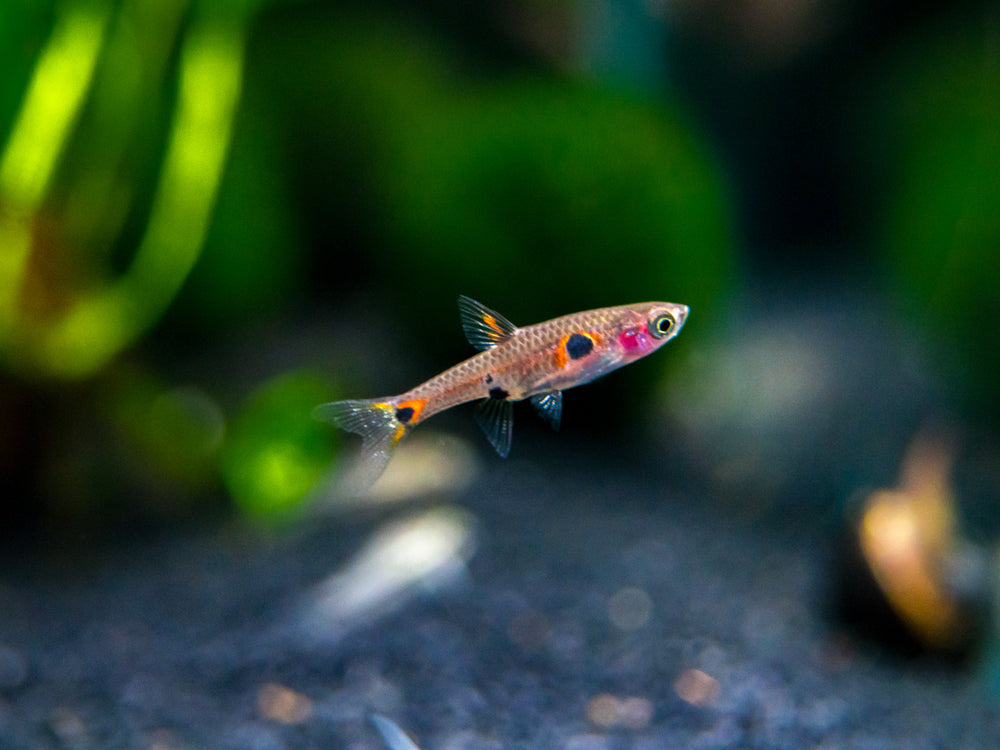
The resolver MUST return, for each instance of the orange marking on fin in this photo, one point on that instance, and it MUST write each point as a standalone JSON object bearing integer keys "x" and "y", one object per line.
{"x": 492, "y": 323}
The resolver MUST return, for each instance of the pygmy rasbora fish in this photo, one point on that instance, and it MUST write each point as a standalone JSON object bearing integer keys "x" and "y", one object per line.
{"x": 535, "y": 362}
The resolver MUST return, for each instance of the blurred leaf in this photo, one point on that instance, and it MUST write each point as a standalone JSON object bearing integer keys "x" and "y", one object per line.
{"x": 558, "y": 194}
{"x": 937, "y": 124}
{"x": 562, "y": 196}
{"x": 275, "y": 452}
{"x": 252, "y": 256}
{"x": 69, "y": 181}
{"x": 24, "y": 26}
{"x": 175, "y": 431}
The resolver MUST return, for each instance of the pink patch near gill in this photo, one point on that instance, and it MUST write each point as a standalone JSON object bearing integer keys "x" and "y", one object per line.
{"x": 634, "y": 340}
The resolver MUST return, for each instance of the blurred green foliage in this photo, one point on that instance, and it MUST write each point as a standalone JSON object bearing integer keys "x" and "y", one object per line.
{"x": 274, "y": 454}
{"x": 935, "y": 135}
{"x": 131, "y": 154}
{"x": 560, "y": 194}
{"x": 176, "y": 431}
{"x": 124, "y": 122}
{"x": 583, "y": 198}
{"x": 252, "y": 261}
{"x": 190, "y": 169}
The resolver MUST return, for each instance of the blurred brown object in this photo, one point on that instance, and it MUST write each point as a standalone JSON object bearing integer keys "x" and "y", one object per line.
{"x": 909, "y": 539}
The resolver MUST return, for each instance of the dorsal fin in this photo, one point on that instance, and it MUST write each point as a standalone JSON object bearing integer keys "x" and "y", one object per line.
{"x": 483, "y": 327}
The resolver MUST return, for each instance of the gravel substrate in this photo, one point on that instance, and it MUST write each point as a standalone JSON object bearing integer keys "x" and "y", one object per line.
{"x": 583, "y": 609}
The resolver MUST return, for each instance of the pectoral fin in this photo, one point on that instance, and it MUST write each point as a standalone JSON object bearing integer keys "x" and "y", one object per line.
{"x": 549, "y": 406}
{"x": 496, "y": 418}
{"x": 483, "y": 327}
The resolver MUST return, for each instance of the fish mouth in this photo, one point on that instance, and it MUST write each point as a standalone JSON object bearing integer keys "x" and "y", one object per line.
{"x": 679, "y": 313}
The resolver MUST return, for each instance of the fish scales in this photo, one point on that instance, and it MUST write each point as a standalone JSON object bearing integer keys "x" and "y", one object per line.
{"x": 518, "y": 364}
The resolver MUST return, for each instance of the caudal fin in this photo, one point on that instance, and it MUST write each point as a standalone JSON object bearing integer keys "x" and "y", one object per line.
{"x": 380, "y": 430}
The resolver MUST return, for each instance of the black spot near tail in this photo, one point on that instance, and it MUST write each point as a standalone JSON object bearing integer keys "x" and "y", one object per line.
{"x": 405, "y": 414}
{"x": 498, "y": 393}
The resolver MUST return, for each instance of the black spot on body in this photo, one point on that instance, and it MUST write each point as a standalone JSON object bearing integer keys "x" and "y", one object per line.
{"x": 405, "y": 414}
{"x": 498, "y": 393}
{"x": 578, "y": 346}
{"x": 488, "y": 378}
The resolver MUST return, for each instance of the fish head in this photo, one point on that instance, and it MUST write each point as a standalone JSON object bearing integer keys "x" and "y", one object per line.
{"x": 648, "y": 326}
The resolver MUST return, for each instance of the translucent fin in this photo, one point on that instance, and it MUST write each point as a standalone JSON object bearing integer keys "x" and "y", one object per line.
{"x": 394, "y": 737}
{"x": 375, "y": 421}
{"x": 549, "y": 406}
{"x": 496, "y": 417}
{"x": 483, "y": 327}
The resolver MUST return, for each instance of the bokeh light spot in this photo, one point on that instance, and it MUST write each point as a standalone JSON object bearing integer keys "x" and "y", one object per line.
{"x": 606, "y": 710}
{"x": 603, "y": 710}
{"x": 696, "y": 687}
{"x": 283, "y": 704}
{"x": 630, "y": 608}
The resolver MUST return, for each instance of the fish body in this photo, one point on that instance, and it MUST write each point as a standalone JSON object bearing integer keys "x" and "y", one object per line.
{"x": 536, "y": 362}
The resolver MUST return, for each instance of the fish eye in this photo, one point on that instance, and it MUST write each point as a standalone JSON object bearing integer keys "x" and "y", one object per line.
{"x": 662, "y": 325}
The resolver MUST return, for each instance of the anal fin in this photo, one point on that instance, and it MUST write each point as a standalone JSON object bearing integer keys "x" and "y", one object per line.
{"x": 496, "y": 418}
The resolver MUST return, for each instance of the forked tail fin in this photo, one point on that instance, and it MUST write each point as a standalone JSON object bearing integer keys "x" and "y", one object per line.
{"x": 376, "y": 422}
